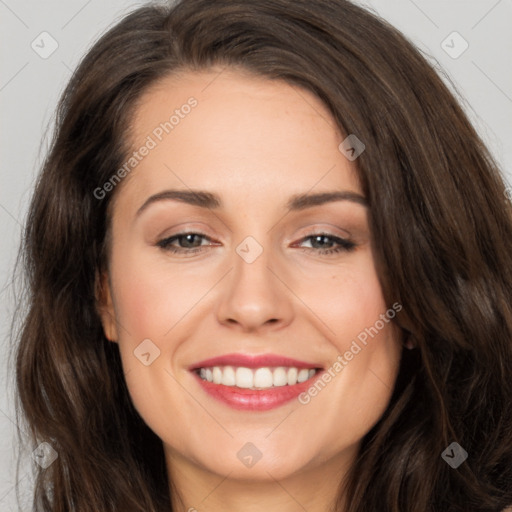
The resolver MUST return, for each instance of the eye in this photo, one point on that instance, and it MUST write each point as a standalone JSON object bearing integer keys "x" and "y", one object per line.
{"x": 191, "y": 242}
{"x": 187, "y": 242}
{"x": 322, "y": 243}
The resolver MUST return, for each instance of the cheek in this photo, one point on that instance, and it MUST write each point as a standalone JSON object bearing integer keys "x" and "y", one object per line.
{"x": 148, "y": 304}
{"x": 347, "y": 300}
{"x": 357, "y": 391}
{"x": 152, "y": 298}
{"x": 360, "y": 326}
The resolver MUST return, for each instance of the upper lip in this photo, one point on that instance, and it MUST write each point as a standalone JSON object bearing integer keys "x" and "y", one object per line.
{"x": 252, "y": 361}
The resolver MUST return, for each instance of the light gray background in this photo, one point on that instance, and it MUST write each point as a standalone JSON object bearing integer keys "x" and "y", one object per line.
{"x": 30, "y": 86}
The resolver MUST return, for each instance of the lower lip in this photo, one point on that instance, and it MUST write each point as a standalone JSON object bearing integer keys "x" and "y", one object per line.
{"x": 255, "y": 400}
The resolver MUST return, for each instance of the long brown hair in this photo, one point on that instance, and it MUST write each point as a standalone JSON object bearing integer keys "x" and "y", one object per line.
{"x": 442, "y": 237}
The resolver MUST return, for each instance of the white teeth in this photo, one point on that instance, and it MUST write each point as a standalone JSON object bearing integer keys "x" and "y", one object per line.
{"x": 263, "y": 378}
{"x": 303, "y": 375}
{"x": 228, "y": 376}
{"x": 258, "y": 378}
{"x": 244, "y": 377}
{"x": 280, "y": 377}
{"x": 292, "y": 376}
{"x": 217, "y": 375}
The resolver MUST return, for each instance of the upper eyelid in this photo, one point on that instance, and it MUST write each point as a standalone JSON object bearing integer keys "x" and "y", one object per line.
{"x": 311, "y": 229}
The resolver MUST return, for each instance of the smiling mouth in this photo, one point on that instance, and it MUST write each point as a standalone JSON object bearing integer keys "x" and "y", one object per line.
{"x": 262, "y": 378}
{"x": 249, "y": 382}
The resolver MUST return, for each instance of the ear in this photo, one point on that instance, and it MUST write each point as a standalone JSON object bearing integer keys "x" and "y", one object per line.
{"x": 105, "y": 305}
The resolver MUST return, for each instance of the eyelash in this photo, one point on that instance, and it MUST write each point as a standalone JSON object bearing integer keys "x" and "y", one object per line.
{"x": 344, "y": 245}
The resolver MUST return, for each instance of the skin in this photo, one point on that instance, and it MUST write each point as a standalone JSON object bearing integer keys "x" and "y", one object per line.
{"x": 255, "y": 143}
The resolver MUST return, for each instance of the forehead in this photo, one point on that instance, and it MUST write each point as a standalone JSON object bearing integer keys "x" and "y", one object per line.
{"x": 235, "y": 133}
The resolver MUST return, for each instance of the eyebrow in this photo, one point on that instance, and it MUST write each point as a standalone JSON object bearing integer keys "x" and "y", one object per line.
{"x": 210, "y": 200}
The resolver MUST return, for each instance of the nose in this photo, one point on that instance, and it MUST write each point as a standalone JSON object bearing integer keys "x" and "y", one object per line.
{"x": 254, "y": 295}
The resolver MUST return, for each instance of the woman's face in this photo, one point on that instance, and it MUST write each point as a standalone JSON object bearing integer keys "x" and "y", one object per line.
{"x": 277, "y": 283}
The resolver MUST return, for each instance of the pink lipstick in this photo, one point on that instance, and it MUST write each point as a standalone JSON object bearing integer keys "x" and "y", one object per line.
{"x": 255, "y": 383}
